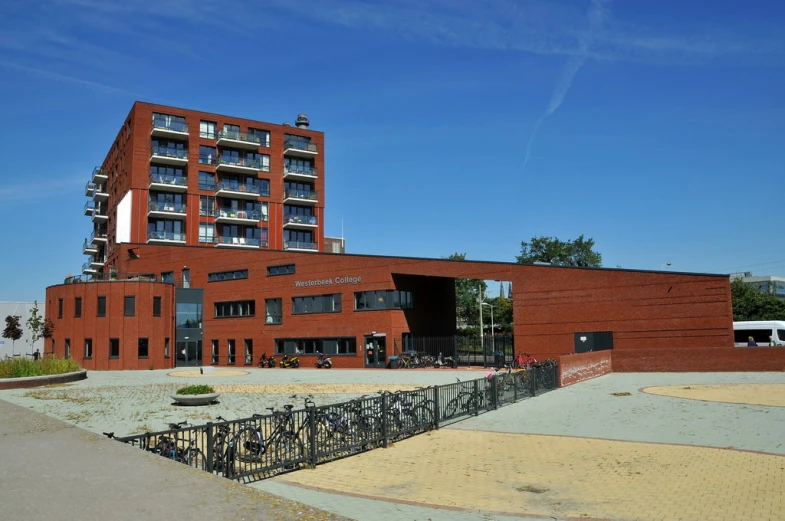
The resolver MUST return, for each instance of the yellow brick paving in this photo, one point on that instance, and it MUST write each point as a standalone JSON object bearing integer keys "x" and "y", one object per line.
{"x": 750, "y": 394}
{"x": 561, "y": 476}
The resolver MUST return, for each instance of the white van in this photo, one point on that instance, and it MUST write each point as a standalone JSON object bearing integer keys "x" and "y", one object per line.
{"x": 760, "y": 331}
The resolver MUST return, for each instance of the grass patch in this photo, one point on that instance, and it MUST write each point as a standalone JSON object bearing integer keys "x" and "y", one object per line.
{"x": 196, "y": 389}
{"x": 621, "y": 394}
{"x": 23, "y": 367}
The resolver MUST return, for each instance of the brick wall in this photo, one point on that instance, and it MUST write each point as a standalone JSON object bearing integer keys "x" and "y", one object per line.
{"x": 699, "y": 360}
{"x": 579, "y": 367}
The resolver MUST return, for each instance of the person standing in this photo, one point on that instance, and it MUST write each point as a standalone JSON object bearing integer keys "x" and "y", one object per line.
{"x": 751, "y": 342}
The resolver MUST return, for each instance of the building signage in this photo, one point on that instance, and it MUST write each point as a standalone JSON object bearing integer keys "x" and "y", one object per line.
{"x": 327, "y": 282}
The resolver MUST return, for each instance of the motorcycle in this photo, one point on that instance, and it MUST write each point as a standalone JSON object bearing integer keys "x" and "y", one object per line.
{"x": 266, "y": 362}
{"x": 293, "y": 361}
{"x": 324, "y": 362}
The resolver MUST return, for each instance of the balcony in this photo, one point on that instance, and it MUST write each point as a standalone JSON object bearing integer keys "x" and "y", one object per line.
{"x": 239, "y": 242}
{"x": 230, "y": 138}
{"x": 168, "y": 183}
{"x": 100, "y": 193}
{"x": 166, "y": 127}
{"x": 169, "y": 155}
{"x": 99, "y": 215}
{"x": 240, "y": 164}
{"x": 97, "y": 263}
{"x": 89, "y": 208}
{"x": 166, "y": 209}
{"x": 299, "y": 196}
{"x": 98, "y": 175}
{"x": 302, "y": 173}
{"x": 98, "y": 237}
{"x": 300, "y": 246}
{"x": 300, "y": 221}
{"x": 298, "y": 148}
{"x": 89, "y": 189}
{"x": 243, "y": 191}
{"x": 238, "y": 216}
{"x": 88, "y": 248}
{"x": 159, "y": 237}
{"x": 88, "y": 270}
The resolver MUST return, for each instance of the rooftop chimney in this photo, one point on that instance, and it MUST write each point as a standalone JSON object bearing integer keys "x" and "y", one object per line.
{"x": 302, "y": 121}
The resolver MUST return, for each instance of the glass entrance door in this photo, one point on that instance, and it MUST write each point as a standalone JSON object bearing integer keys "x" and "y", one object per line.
{"x": 189, "y": 353}
{"x": 375, "y": 351}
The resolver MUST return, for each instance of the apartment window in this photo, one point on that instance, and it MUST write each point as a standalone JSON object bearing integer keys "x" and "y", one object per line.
{"x": 301, "y": 142}
{"x": 262, "y": 136}
{"x": 68, "y": 348}
{"x": 78, "y": 307}
{"x": 101, "y": 307}
{"x": 114, "y": 348}
{"x": 239, "y": 308}
{"x": 328, "y": 346}
{"x": 232, "y": 131}
{"x": 207, "y": 129}
{"x": 206, "y": 181}
{"x": 59, "y": 308}
{"x": 214, "y": 352}
{"x": 166, "y": 348}
{"x": 273, "y": 311}
{"x": 284, "y": 269}
{"x": 230, "y": 352}
{"x": 206, "y": 233}
{"x": 142, "y": 348}
{"x": 383, "y": 299}
{"x": 88, "y": 347}
{"x": 207, "y": 155}
{"x": 248, "y": 351}
{"x": 316, "y": 304}
{"x": 130, "y": 306}
{"x": 167, "y": 174}
{"x": 262, "y": 159}
{"x": 156, "y": 306}
{"x": 227, "y": 275}
{"x": 206, "y": 205}
{"x": 168, "y": 277}
{"x": 175, "y": 123}
{"x": 300, "y": 166}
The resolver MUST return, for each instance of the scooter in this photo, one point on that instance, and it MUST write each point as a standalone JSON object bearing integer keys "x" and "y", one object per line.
{"x": 290, "y": 362}
{"x": 324, "y": 362}
{"x": 266, "y": 362}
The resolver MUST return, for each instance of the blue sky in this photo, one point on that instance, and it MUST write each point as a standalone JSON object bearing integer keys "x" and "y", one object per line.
{"x": 661, "y": 127}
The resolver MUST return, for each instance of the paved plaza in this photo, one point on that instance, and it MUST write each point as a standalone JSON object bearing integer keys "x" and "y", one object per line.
{"x": 654, "y": 446}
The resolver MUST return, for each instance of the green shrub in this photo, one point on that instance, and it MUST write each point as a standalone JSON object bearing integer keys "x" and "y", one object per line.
{"x": 24, "y": 367}
{"x": 196, "y": 389}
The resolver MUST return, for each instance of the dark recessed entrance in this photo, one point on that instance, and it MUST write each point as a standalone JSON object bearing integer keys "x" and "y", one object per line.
{"x": 375, "y": 350}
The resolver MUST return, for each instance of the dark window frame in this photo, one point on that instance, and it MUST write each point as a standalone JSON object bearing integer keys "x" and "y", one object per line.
{"x": 139, "y": 354}
{"x": 129, "y": 310}
{"x": 88, "y": 353}
{"x": 59, "y": 308}
{"x": 384, "y": 299}
{"x": 344, "y": 346}
{"x": 157, "y": 301}
{"x": 112, "y": 343}
{"x": 281, "y": 269}
{"x": 100, "y": 307}
{"x": 167, "y": 348}
{"x": 279, "y": 316}
{"x": 77, "y": 307}
{"x": 235, "y": 309}
{"x": 220, "y": 276}
{"x": 316, "y": 304}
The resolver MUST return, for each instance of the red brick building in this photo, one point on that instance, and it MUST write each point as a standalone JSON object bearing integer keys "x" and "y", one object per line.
{"x": 208, "y": 247}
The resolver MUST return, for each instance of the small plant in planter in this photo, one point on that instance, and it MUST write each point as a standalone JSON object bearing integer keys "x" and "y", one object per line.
{"x": 196, "y": 389}
{"x": 195, "y": 395}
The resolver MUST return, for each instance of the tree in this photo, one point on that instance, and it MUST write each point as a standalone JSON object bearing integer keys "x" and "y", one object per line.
{"x": 467, "y": 292}
{"x": 39, "y": 328}
{"x": 12, "y": 331}
{"x": 578, "y": 253}
{"x": 751, "y": 304}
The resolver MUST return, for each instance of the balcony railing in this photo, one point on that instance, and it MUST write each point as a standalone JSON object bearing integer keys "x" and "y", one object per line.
{"x": 89, "y": 208}
{"x": 98, "y": 173}
{"x": 207, "y": 239}
{"x": 173, "y": 180}
{"x": 239, "y": 187}
{"x": 167, "y": 207}
{"x": 89, "y": 189}
{"x": 164, "y": 123}
{"x": 296, "y": 144}
{"x": 241, "y": 241}
{"x": 207, "y": 186}
{"x": 236, "y": 213}
{"x": 99, "y": 235}
{"x": 308, "y": 171}
{"x": 241, "y": 136}
{"x": 309, "y": 195}
{"x": 155, "y": 235}
{"x": 100, "y": 192}
{"x": 208, "y": 160}
{"x": 89, "y": 247}
{"x": 207, "y": 212}
{"x": 170, "y": 152}
{"x": 243, "y": 162}
{"x": 299, "y": 245}
{"x": 309, "y": 220}
{"x": 86, "y": 268}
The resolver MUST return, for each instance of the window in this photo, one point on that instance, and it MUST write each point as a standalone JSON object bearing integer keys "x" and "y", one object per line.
{"x": 166, "y": 348}
{"x": 207, "y": 155}
{"x": 301, "y": 142}
{"x": 206, "y": 181}
{"x": 248, "y": 351}
{"x": 78, "y": 307}
{"x": 114, "y": 348}
{"x": 262, "y": 161}
{"x": 206, "y": 206}
{"x": 156, "y": 306}
{"x": 207, "y": 129}
{"x": 383, "y": 299}
{"x": 68, "y": 348}
{"x": 142, "y": 348}
{"x": 239, "y": 308}
{"x": 227, "y": 275}
{"x": 328, "y": 346}
{"x": 214, "y": 352}
{"x": 781, "y": 334}
{"x": 168, "y": 277}
{"x": 130, "y": 306}
{"x": 230, "y": 352}
{"x": 88, "y": 347}
{"x": 59, "y": 308}
{"x": 262, "y": 136}
{"x": 285, "y": 269}
{"x": 207, "y": 233}
{"x": 231, "y": 131}
{"x": 175, "y": 123}
{"x": 272, "y": 311}
{"x": 316, "y": 304}
{"x": 101, "y": 308}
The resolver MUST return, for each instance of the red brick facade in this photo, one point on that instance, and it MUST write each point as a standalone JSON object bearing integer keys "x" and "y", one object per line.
{"x": 584, "y": 366}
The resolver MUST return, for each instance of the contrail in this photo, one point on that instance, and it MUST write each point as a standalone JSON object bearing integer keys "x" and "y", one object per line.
{"x": 597, "y": 14}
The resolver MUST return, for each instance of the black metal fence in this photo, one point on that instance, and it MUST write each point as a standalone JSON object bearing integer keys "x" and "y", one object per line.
{"x": 492, "y": 351}
{"x": 266, "y": 445}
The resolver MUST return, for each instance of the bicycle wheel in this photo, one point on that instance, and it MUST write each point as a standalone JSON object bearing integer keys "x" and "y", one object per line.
{"x": 289, "y": 450}
{"x": 249, "y": 445}
{"x": 195, "y": 458}
{"x": 423, "y": 416}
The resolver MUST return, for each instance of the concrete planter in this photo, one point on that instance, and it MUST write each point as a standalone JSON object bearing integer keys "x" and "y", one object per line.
{"x": 195, "y": 399}
{"x": 38, "y": 381}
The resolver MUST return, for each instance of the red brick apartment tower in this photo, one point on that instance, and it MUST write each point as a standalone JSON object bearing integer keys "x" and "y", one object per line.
{"x": 182, "y": 177}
